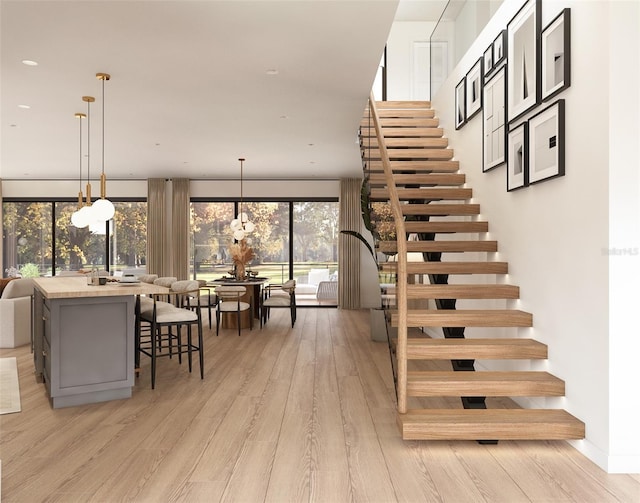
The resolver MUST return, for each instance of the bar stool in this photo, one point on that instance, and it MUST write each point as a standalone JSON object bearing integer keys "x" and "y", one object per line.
{"x": 174, "y": 313}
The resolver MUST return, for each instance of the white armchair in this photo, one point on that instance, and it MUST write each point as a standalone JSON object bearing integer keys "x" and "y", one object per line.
{"x": 15, "y": 313}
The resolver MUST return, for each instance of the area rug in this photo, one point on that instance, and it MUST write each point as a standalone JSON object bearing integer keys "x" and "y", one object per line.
{"x": 9, "y": 386}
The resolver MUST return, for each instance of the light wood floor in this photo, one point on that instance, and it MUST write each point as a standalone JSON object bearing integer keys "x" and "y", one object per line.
{"x": 282, "y": 415}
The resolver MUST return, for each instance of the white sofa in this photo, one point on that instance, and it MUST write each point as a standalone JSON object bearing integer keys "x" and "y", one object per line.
{"x": 15, "y": 313}
{"x": 309, "y": 285}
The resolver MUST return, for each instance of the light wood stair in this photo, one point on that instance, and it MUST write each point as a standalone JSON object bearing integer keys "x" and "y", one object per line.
{"x": 427, "y": 184}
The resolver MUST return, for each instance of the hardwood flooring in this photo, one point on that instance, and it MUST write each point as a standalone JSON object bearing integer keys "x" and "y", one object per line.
{"x": 303, "y": 414}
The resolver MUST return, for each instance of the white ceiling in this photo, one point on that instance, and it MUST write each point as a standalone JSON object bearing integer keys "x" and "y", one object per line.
{"x": 190, "y": 89}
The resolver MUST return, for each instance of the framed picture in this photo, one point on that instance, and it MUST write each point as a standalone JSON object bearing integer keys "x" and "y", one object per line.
{"x": 523, "y": 60}
{"x": 488, "y": 60}
{"x": 556, "y": 55}
{"x": 518, "y": 165}
{"x": 461, "y": 109}
{"x": 499, "y": 48}
{"x": 494, "y": 121}
{"x": 546, "y": 141}
{"x": 474, "y": 89}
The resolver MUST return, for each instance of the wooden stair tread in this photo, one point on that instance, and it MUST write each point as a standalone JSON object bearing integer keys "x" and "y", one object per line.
{"x": 420, "y": 180}
{"x": 434, "y": 194}
{"x": 421, "y": 348}
{"x": 441, "y": 246}
{"x": 403, "y": 132}
{"x": 403, "y": 104}
{"x": 374, "y": 166}
{"x": 446, "y": 227}
{"x": 372, "y": 142}
{"x": 406, "y": 112}
{"x": 410, "y": 153}
{"x": 490, "y": 424}
{"x": 461, "y": 291}
{"x": 450, "y": 267}
{"x": 404, "y": 122}
{"x": 483, "y": 383}
{"x": 436, "y": 209}
{"x": 465, "y": 318}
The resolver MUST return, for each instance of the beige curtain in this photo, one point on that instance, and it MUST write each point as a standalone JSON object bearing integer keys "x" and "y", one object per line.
{"x": 180, "y": 228}
{"x": 2, "y": 233}
{"x": 349, "y": 247}
{"x": 156, "y": 227}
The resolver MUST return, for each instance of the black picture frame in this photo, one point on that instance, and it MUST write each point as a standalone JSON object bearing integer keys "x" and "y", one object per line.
{"x": 460, "y": 103}
{"x": 518, "y": 157}
{"x": 473, "y": 91}
{"x": 494, "y": 121}
{"x": 523, "y": 60}
{"x": 487, "y": 62}
{"x": 556, "y": 55}
{"x": 500, "y": 48}
{"x": 547, "y": 143}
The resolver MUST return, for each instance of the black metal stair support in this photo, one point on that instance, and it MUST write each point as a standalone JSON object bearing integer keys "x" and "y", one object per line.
{"x": 468, "y": 402}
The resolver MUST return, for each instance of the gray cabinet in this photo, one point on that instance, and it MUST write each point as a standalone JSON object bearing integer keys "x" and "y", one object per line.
{"x": 84, "y": 348}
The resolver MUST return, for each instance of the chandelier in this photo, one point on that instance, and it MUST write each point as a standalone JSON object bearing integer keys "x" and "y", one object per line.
{"x": 241, "y": 225}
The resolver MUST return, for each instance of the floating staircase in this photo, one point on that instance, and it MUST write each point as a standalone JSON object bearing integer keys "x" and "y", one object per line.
{"x": 410, "y": 166}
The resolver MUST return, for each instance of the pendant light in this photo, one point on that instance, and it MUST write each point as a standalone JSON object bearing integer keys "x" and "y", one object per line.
{"x": 103, "y": 209}
{"x": 86, "y": 215}
{"x": 76, "y": 218}
{"x": 241, "y": 225}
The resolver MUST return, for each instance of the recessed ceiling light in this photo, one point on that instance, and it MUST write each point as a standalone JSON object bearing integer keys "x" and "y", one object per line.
{"x": 13, "y": 125}
{"x": 310, "y": 144}
{"x": 29, "y": 62}
{"x": 272, "y": 71}
{"x": 26, "y": 107}
{"x": 284, "y": 116}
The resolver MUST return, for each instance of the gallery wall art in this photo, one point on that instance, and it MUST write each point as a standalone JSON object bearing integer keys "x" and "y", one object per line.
{"x": 474, "y": 89}
{"x": 556, "y": 55}
{"x": 494, "y": 120}
{"x": 499, "y": 48}
{"x": 523, "y": 60}
{"x": 546, "y": 143}
{"x": 524, "y": 67}
{"x": 460, "y": 105}
{"x": 518, "y": 165}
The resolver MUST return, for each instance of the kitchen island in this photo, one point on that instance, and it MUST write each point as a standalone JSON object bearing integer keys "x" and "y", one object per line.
{"x": 84, "y": 338}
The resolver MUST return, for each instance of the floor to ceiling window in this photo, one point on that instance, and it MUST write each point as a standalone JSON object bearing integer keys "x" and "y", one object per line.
{"x": 39, "y": 239}
{"x": 27, "y": 238}
{"x": 291, "y": 240}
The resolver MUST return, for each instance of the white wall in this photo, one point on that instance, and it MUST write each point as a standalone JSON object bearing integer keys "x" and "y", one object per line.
{"x": 556, "y": 234}
{"x": 400, "y": 58}
{"x": 624, "y": 232}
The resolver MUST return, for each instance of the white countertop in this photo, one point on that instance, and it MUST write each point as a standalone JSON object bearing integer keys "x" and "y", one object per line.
{"x": 71, "y": 286}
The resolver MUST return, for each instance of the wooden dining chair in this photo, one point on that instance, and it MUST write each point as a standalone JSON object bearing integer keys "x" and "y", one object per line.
{"x": 275, "y": 296}
{"x": 230, "y": 301}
